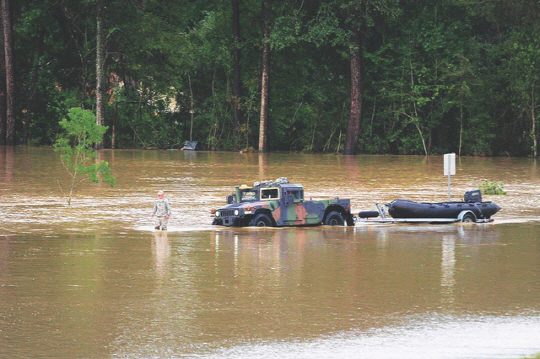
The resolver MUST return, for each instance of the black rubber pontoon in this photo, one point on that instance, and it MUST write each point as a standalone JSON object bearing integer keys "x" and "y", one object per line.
{"x": 400, "y": 208}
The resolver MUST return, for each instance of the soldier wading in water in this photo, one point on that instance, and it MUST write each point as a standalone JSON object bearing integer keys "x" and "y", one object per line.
{"x": 162, "y": 212}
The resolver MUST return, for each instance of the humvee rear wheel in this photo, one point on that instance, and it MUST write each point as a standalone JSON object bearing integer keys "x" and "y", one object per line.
{"x": 334, "y": 218}
{"x": 261, "y": 220}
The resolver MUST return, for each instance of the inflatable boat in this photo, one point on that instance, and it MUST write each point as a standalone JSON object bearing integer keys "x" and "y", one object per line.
{"x": 408, "y": 209}
{"x": 472, "y": 209}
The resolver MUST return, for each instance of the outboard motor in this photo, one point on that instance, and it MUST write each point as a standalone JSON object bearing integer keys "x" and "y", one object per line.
{"x": 474, "y": 196}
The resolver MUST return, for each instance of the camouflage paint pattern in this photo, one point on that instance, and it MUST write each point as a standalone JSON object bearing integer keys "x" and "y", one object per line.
{"x": 287, "y": 208}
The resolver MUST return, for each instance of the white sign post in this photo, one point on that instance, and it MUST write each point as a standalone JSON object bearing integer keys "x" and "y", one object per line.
{"x": 449, "y": 168}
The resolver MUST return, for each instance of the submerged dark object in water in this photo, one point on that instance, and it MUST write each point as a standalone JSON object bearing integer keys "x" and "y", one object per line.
{"x": 400, "y": 208}
{"x": 190, "y": 145}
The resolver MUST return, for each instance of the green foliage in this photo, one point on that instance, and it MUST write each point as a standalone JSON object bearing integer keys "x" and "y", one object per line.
{"x": 495, "y": 188}
{"x": 524, "y": 66}
{"x": 438, "y": 76}
{"x": 75, "y": 146}
{"x": 536, "y": 356}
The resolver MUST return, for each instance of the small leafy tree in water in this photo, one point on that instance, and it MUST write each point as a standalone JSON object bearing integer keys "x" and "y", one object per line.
{"x": 75, "y": 146}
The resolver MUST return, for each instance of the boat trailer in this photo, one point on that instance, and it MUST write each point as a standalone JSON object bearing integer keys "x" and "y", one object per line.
{"x": 380, "y": 216}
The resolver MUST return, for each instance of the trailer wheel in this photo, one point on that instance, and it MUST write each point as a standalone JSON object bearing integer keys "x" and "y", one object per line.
{"x": 334, "y": 218}
{"x": 261, "y": 220}
{"x": 468, "y": 218}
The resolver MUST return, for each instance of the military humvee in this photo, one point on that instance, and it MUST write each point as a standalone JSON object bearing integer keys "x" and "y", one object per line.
{"x": 280, "y": 203}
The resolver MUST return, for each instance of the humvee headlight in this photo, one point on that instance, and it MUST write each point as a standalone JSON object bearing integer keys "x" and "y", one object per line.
{"x": 236, "y": 212}
{"x": 217, "y": 213}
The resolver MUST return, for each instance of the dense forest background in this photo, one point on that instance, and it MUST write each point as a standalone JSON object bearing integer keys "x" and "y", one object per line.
{"x": 364, "y": 76}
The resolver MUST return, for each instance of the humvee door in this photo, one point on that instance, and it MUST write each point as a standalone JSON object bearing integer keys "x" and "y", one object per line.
{"x": 297, "y": 212}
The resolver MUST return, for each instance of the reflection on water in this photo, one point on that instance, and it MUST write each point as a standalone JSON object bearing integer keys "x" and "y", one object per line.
{"x": 272, "y": 292}
{"x": 96, "y": 280}
{"x": 448, "y": 264}
{"x": 161, "y": 250}
{"x": 7, "y": 163}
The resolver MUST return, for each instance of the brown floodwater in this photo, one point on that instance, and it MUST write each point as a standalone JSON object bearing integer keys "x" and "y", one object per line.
{"x": 95, "y": 281}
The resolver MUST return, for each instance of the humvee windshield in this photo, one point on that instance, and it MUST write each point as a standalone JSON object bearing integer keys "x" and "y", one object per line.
{"x": 249, "y": 195}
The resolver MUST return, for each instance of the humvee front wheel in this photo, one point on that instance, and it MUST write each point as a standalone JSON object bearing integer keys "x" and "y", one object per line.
{"x": 334, "y": 218}
{"x": 261, "y": 220}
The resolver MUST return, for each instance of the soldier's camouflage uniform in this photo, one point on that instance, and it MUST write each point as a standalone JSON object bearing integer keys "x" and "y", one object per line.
{"x": 162, "y": 209}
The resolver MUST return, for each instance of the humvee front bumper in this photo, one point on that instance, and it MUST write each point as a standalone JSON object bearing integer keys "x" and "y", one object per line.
{"x": 231, "y": 217}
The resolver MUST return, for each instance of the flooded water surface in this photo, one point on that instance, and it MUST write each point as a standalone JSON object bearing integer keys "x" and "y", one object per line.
{"x": 94, "y": 280}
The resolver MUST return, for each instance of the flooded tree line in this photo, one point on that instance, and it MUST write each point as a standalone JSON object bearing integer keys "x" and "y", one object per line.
{"x": 363, "y": 76}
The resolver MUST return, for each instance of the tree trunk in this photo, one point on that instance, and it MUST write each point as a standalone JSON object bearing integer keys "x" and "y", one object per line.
{"x": 264, "y": 80}
{"x": 237, "y": 87}
{"x": 28, "y": 110}
{"x": 10, "y": 73}
{"x": 353, "y": 125}
{"x": 430, "y": 137}
{"x": 460, "y": 125}
{"x": 191, "y": 109}
{"x": 533, "y": 127}
{"x": 2, "y": 88}
{"x": 114, "y": 125}
{"x": 100, "y": 59}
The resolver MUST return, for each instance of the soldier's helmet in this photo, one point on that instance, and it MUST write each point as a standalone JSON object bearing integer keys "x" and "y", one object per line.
{"x": 160, "y": 193}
